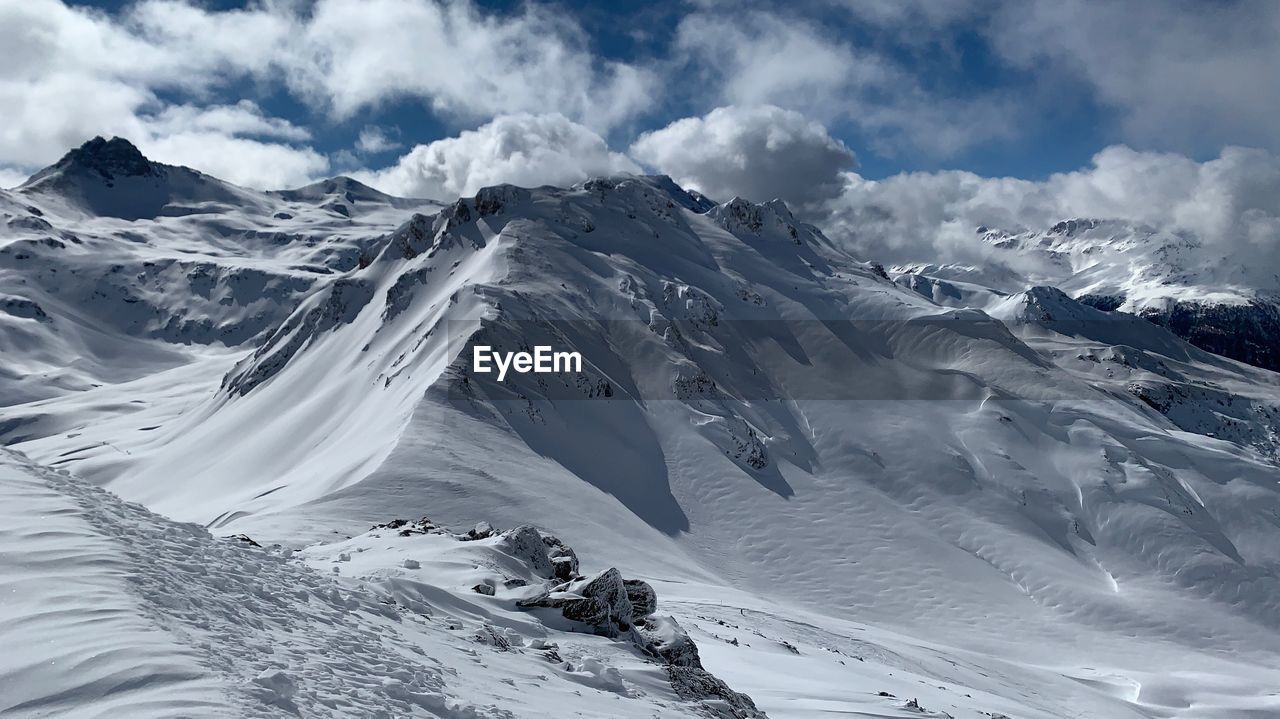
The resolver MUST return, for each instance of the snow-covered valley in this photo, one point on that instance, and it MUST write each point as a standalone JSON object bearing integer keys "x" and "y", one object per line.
{"x": 933, "y": 495}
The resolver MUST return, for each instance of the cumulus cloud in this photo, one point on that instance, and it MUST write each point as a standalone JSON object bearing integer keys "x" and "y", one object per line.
{"x": 1179, "y": 75}
{"x": 244, "y": 161}
{"x": 783, "y": 59}
{"x": 758, "y": 153}
{"x": 1230, "y": 203}
{"x": 353, "y": 54}
{"x": 243, "y": 118}
{"x": 520, "y": 149}
{"x": 345, "y": 56}
{"x": 373, "y": 140}
{"x": 1188, "y": 76}
{"x": 72, "y": 73}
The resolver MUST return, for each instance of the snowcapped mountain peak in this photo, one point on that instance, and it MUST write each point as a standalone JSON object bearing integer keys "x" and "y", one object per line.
{"x": 1071, "y": 227}
{"x": 340, "y": 188}
{"x": 663, "y": 184}
{"x": 112, "y": 178}
{"x": 107, "y": 159}
{"x": 764, "y": 218}
{"x": 1044, "y": 303}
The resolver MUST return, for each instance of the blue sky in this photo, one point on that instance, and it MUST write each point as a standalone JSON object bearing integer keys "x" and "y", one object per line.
{"x": 957, "y": 63}
{"x": 277, "y": 92}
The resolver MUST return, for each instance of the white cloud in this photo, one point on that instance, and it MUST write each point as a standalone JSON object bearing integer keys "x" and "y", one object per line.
{"x": 244, "y": 161}
{"x": 352, "y": 54}
{"x": 243, "y": 118}
{"x": 1181, "y": 75}
{"x": 373, "y": 140}
{"x": 1231, "y": 203}
{"x": 913, "y": 14}
{"x": 520, "y": 149}
{"x": 756, "y": 152}
{"x": 72, "y": 73}
{"x": 1189, "y": 76}
{"x": 11, "y": 177}
{"x": 782, "y": 59}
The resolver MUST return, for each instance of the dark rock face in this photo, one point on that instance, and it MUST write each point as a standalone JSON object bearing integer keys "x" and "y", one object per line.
{"x": 407, "y": 528}
{"x": 564, "y": 563}
{"x": 602, "y": 600}
{"x": 1071, "y": 227}
{"x": 644, "y": 601}
{"x": 1106, "y": 303}
{"x": 112, "y": 158}
{"x": 545, "y": 554}
{"x": 1249, "y": 333}
{"x": 665, "y": 639}
{"x": 599, "y": 600}
{"x": 22, "y": 307}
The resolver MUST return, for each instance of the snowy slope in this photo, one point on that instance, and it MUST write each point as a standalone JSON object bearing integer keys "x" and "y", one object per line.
{"x": 992, "y": 502}
{"x": 116, "y": 611}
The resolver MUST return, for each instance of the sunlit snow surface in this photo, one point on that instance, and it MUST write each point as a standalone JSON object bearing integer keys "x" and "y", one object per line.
{"x": 851, "y": 493}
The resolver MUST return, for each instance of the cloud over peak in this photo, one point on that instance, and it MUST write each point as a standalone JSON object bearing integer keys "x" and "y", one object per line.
{"x": 520, "y": 149}
{"x": 759, "y": 152}
{"x": 1229, "y": 204}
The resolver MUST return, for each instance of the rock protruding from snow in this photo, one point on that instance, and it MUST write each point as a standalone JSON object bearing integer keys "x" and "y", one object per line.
{"x": 1247, "y": 332}
{"x": 545, "y": 554}
{"x": 738, "y": 215}
{"x": 600, "y": 600}
{"x": 482, "y": 530}
{"x": 406, "y": 528}
{"x": 618, "y": 607}
{"x": 644, "y": 601}
{"x": 663, "y": 637}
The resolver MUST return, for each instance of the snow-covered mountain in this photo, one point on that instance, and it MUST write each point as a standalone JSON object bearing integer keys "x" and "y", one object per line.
{"x": 113, "y": 267}
{"x": 1172, "y": 278}
{"x": 849, "y": 495}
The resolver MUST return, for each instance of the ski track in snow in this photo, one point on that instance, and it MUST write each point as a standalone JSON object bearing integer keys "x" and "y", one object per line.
{"x": 282, "y": 637}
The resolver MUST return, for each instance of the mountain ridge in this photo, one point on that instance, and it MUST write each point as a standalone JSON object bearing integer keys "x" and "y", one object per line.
{"x": 917, "y": 486}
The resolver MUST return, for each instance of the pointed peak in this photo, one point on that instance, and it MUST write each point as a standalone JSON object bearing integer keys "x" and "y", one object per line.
{"x": 347, "y": 188}
{"x": 110, "y": 158}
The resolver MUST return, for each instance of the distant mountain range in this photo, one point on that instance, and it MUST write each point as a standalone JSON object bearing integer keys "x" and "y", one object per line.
{"x": 1162, "y": 276}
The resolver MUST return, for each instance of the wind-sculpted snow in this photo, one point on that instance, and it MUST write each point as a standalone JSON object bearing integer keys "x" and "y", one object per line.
{"x": 856, "y": 494}
{"x": 337, "y": 305}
